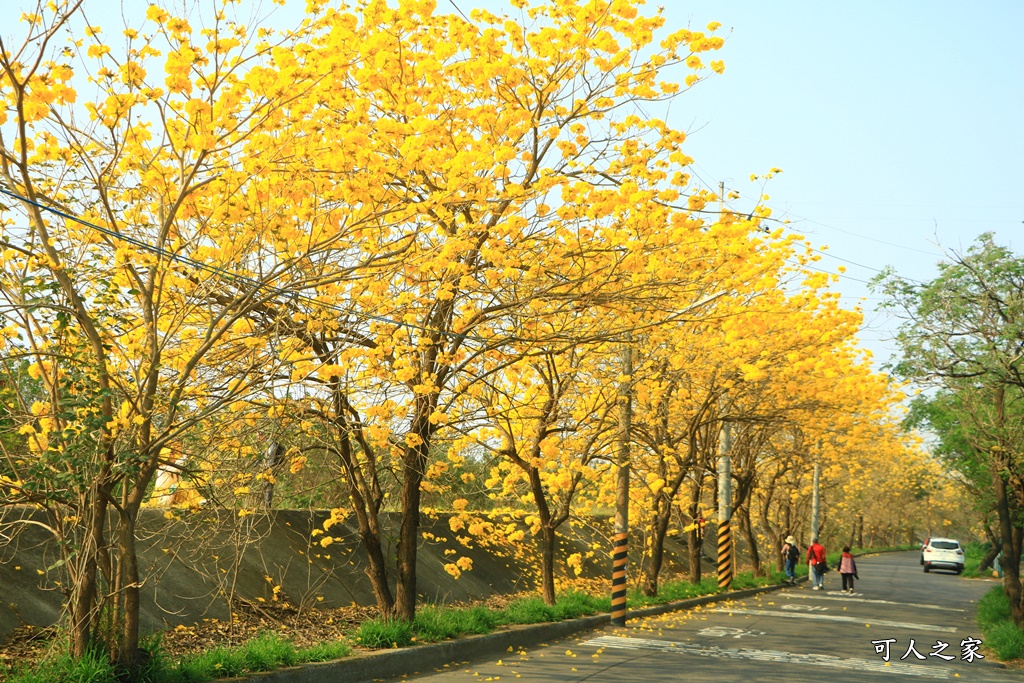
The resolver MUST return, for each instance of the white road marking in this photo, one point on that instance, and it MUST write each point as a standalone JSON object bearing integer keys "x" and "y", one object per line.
{"x": 780, "y": 656}
{"x": 805, "y": 608}
{"x": 827, "y": 617}
{"x": 853, "y": 598}
{"x": 727, "y": 632}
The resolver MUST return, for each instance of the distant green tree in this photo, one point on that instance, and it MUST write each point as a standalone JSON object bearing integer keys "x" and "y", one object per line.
{"x": 964, "y": 335}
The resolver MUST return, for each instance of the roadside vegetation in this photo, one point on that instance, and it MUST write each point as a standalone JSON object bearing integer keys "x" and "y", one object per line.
{"x": 974, "y": 553}
{"x": 999, "y": 632}
{"x": 433, "y": 623}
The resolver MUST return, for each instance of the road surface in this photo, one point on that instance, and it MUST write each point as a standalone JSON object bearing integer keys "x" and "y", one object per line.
{"x": 794, "y": 635}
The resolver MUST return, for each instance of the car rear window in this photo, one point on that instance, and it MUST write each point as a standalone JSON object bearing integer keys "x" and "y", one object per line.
{"x": 945, "y": 545}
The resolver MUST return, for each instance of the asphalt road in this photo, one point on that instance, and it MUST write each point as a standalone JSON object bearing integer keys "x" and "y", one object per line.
{"x": 794, "y": 635}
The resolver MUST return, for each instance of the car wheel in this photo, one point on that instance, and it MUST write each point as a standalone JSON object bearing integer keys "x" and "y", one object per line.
{"x": 926, "y": 569}
{"x": 959, "y": 570}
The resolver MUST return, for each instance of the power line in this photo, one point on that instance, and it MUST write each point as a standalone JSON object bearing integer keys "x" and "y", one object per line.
{"x": 854, "y": 234}
{"x": 827, "y": 272}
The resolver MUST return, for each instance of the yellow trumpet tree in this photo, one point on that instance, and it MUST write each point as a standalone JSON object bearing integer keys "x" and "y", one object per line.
{"x": 151, "y": 209}
{"x": 512, "y": 176}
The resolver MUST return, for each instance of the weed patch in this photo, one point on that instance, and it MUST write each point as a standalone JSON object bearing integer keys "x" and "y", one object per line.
{"x": 997, "y": 627}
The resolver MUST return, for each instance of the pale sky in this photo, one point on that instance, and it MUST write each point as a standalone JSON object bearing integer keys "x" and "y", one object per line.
{"x": 897, "y": 124}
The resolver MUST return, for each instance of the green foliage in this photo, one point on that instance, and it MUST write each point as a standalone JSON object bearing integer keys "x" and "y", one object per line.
{"x": 999, "y": 631}
{"x": 973, "y": 554}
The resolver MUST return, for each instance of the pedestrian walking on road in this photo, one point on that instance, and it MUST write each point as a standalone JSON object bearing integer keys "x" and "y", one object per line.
{"x": 790, "y": 556}
{"x": 847, "y": 569}
{"x": 817, "y": 564}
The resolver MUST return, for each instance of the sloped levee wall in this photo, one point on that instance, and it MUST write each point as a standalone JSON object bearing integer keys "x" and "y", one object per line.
{"x": 191, "y": 567}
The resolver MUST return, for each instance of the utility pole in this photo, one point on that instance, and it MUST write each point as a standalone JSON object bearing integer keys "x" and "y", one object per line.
{"x": 724, "y": 507}
{"x": 620, "y": 542}
{"x": 816, "y": 501}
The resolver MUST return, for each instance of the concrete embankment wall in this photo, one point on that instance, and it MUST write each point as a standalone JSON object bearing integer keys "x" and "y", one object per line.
{"x": 191, "y": 567}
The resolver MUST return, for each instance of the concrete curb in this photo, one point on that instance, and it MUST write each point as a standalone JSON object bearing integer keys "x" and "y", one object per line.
{"x": 383, "y": 664}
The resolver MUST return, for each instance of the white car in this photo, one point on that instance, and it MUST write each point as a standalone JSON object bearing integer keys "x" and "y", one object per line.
{"x": 943, "y": 553}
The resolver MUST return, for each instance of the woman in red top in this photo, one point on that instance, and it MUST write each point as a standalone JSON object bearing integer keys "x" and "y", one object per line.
{"x": 816, "y": 564}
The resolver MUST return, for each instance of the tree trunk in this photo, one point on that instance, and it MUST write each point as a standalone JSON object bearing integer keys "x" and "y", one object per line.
{"x": 83, "y": 607}
{"x": 414, "y": 466}
{"x": 547, "y": 564}
{"x": 860, "y": 531}
{"x": 408, "y": 534}
{"x": 129, "y": 657}
{"x": 787, "y": 518}
{"x": 1011, "y": 555}
{"x": 659, "y": 528}
{"x": 376, "y": 568}
{"x": 547, "y": 537}
{"x": 995, "y": 546}
{"x": 370, "y": 534}
{"x": 748, "y": 532}
{"x": 695, "y": 539}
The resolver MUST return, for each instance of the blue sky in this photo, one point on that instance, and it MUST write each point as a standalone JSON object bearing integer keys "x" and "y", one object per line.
{"x": 897, "y": 125}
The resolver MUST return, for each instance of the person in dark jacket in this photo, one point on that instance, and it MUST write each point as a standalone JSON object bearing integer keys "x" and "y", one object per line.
{"x": 790, "y": 556}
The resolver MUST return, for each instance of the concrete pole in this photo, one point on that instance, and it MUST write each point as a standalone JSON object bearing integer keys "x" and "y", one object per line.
{"x": 816, "y": 501}
{"x": 620, "y": 540}
{"x": 725, "y": 561}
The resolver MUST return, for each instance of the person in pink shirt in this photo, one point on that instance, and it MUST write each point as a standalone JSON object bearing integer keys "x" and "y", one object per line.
{"x": 847, "y": 569}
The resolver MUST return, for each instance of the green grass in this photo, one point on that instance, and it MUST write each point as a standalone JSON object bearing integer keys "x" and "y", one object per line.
{"x": 575, "y": 604}
{"x": 264, "y": 653}
{"x": 531, "y": 610}
{"x": 433, "y": 623}
{"x": 94, "y": 667}
{"x": 997, "y": 627}
{"x": 384, "y": 633}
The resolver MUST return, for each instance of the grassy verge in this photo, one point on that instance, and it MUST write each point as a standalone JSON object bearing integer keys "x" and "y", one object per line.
{"x": 998, "y": 630}
{"x": 432, "y": 624}
{"x": 266, "y": 653}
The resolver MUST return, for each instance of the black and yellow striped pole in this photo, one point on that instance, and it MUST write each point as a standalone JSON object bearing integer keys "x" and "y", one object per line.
{"x": 725, "y": 562}
{"x": 620, "y": 539}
